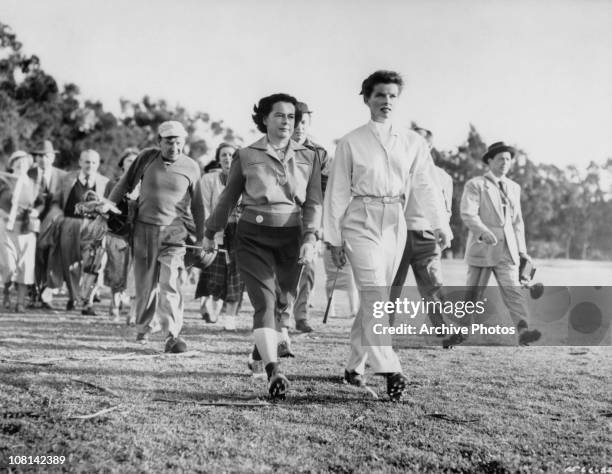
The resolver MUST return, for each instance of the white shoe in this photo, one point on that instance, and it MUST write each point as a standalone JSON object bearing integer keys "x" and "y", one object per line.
{"x": 211, "y": 308}
{"x": 257, "y": 368}
{"x": 155, "y": 326}
{"x": 230, "y": 322}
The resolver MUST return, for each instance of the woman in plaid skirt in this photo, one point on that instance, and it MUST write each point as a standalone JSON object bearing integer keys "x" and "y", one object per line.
{"x": 220, "y": 282}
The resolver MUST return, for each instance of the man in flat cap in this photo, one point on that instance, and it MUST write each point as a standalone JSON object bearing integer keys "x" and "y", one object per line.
{"x": 48, "y": 179}
{"x": 169, "y": 207}
{"x": 491, "y": 209}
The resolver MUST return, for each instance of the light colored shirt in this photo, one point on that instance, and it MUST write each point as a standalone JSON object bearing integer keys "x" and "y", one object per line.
{"x": 87, "y": 181}
{"x": 46, "y": 176}
{"x": 364, "y": 166}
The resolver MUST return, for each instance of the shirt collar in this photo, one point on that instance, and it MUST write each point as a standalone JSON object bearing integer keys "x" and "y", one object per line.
{"x": 495, "y": 178}
{"x": 262, "y": 144}
{"x": 84, "y": 180}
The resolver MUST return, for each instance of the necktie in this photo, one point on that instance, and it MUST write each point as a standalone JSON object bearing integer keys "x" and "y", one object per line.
{"x": 504, "y": 200}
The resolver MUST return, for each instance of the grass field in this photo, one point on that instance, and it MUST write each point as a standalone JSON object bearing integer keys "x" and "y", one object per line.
{"x": 470, "y": 409}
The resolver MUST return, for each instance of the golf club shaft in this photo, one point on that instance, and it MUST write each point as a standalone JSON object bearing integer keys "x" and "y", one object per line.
{"x": 187, "y": 246}
{"x": 331, "y": 295}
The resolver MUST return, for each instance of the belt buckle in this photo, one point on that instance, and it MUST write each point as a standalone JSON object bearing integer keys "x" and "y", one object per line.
{"x": 386, "y": 199}
{"x": 367, "y": 199}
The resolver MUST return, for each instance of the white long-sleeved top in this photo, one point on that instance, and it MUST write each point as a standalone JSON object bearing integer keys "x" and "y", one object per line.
{"x": 365, "y": 165}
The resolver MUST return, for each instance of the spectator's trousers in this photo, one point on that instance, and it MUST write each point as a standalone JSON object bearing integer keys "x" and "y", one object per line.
{"x": 159, "y": 274}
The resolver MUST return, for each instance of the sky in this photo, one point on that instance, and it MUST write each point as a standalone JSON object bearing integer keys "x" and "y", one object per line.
{"x": 536, "y": 74}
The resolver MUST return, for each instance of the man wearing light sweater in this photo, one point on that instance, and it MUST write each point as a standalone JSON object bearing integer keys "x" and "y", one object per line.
{"x": 170, "y": 205}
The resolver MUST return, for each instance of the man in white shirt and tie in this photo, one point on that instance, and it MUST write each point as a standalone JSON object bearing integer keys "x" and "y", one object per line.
{"x": 491, "y": 209}
{"x": 375, "y": 168}
{"x": 77, "y": 234}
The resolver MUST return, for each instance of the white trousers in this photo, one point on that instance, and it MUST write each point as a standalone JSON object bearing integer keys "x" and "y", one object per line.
{"x": 374, "y": 234}
{"x": 17, "y": 256}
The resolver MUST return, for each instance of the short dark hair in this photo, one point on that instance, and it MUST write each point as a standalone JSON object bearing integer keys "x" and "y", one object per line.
{"x": 264, "y": 107}
{"x": 380, "y": 77}
{"x": 127, "y": 152}
{"x": 221, "y": 146}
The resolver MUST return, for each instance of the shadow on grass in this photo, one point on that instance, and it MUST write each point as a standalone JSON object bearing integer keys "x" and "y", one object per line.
{"x": 294, "y": 398}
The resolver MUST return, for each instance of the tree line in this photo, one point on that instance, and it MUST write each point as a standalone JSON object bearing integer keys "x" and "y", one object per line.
{"x": 567, "y": 213}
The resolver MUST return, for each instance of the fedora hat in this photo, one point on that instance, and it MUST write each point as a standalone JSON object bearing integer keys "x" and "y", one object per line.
{"x": 44, "y": 148}
{"x": 495, "y": 148}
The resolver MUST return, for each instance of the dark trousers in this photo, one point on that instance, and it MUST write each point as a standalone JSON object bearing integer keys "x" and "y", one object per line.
{"x": 423, "y": 254}
{"x": 267, "y": 256}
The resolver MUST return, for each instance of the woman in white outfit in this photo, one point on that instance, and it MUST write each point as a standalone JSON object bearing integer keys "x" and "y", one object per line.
{"x": 374, "y": 169}
{"x": 18, "y": 193}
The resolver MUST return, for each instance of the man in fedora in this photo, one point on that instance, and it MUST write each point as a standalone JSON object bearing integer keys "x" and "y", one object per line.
{"x": 491, "y": 209}
{"x": 48, "y": 179}
{"x": 169, "y": 207}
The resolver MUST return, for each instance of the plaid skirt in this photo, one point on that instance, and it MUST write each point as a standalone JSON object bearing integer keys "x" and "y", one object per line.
{"x": 221, "y": 279}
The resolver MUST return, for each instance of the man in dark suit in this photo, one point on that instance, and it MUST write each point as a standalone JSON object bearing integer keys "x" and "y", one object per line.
{"x": 47, "y": 178}
{"x": 79, "y": 233}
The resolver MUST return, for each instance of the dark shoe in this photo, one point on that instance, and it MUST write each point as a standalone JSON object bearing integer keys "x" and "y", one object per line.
{"x": 453, "y": 340}
{"x": 436, "y": 321}
{"x": 396, "y": 384}
{"x": 89, "y": 311}
{"x": 277, "y": 382}
{"x": 284, "y": 350}
{"x": 7, "y": 295}
{"x": 142, "y": 337}
{"x": 47, "y": 306}
{"x": 303, "y": 326}
{"x": 175, "y": 345}
{"x": 70, "y": 305}
{"x": 527, "y": 336}
{"x": 353, "y": 378}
